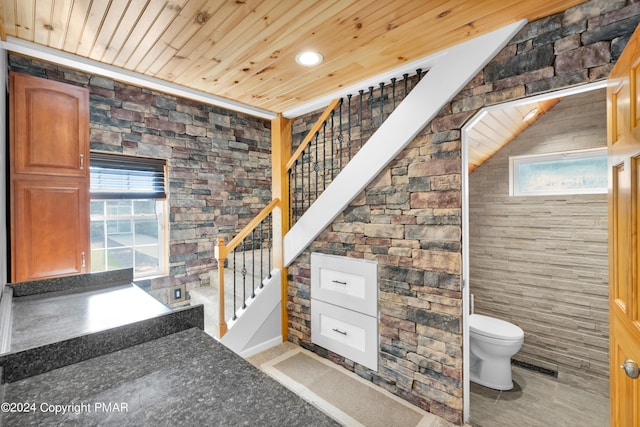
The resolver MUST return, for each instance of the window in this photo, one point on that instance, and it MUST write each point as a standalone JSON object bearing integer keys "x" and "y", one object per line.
{"x": 571, "y": 172}
{"x": 128, "y": 211}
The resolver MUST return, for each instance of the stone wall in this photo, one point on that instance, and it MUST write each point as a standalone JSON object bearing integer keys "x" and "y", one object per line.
{"x": 219, "y": 164}
{"x": 408, "y": 219}
{"x": 541, "y": 261}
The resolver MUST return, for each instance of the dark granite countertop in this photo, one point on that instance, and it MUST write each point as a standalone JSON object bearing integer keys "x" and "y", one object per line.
{"x": 65, "y": 320}
{"x": 47, "y": 318}
{"x": 183, "y": 379}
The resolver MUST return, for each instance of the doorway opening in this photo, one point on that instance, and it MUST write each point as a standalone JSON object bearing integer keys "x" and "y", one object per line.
{"x": 520, "y": 296}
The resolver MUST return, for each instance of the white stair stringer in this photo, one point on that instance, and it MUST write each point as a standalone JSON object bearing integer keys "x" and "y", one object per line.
{"x": 259, "y": 325}
{"x": 450, "y": 73}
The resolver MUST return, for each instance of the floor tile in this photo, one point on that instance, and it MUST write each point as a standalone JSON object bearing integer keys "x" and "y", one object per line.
{"x": 538, "y": 400}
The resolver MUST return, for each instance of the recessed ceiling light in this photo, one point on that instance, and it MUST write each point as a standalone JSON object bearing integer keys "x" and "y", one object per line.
{"x": 309, "y": 58}
{"x": 530, "y": 114}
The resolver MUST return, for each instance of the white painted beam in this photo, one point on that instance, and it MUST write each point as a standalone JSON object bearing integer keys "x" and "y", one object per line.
{"x": 452, "y": 71}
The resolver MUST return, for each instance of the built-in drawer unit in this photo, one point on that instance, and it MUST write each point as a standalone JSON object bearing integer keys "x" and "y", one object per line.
{"x": 344, "y": 307}
{"x": 348, "y": 282}
{"x": 345, "y": 332}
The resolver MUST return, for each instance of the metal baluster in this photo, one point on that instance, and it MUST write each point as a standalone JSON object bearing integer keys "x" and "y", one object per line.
{"x": 340, "y": 137}
{"x": 302, "y": 181}
{"x": 419, "y": 73}
{"x": 261, "y": 254}
{"x": 295, "y": 190}
{"x": 235, "y": 276}
{"x": 244, "y": 276}
{"x": 315, "y": 165}
{"x": 324, "y": 144}
{"x": 370, "y": 102}
{"x": 406, "y": 83}
{"x": 253, "y": 264}
{"x": 290, "y": 199}
{"x": 308, "y": 177}
{"x": 349, "y": 124}
{"x": 269, "y": 244}
{"x": 361, "y": 92}
{"x": 393, "y": 91}
{"x": 324, "y": 161}
{"x": 332, "y": 143}
{"x": 381, "y": 103}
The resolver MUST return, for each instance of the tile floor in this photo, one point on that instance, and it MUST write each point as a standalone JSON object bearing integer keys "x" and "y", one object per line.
{"x": 537, "y": 400}
{"x": 348, "y": 398}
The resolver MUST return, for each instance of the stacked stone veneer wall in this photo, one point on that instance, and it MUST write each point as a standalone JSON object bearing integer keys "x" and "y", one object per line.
{"x": 541, "y": 261}
{"x": 408, "y": 219}
{"x": 219, "y": 171}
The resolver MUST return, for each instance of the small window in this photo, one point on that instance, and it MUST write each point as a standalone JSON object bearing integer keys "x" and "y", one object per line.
{"x": 571, "y": 172}
{"x": 128, "y": 214}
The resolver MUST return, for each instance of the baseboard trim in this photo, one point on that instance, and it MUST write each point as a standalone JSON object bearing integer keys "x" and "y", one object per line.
{"x": 261, "y": 347}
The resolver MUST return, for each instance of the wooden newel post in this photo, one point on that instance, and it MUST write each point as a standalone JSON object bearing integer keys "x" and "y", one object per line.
{"x": 220, "y": 252}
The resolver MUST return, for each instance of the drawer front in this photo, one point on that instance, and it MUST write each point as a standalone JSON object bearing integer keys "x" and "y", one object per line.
{"x": 347, "y": 282}
{"x": 345, "y": 332}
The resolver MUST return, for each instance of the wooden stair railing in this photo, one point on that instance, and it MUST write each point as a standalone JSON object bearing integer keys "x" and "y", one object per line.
{"x": 338, "y": 133}
{"x": 312, "y": 132}
{"x": 223, "y": 250}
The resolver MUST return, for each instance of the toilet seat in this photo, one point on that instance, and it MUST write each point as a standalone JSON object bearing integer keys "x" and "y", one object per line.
{"x": 494, "y": 328}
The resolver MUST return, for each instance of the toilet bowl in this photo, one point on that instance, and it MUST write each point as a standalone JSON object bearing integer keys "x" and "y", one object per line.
{"x": 492, "y": 343}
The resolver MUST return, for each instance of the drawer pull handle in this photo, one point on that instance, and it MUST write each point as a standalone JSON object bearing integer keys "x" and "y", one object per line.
{"x": 339, "y": 282}
{"x": 340, "y": 332}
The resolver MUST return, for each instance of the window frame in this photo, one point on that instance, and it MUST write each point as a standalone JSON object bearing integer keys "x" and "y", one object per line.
{"x": 158, "y": 194}
{"x": 515, "y": 162}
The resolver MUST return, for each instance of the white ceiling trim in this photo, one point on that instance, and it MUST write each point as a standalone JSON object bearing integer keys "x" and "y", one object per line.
{"x": 94, "y": 67}
{"x": 116, "y": 73}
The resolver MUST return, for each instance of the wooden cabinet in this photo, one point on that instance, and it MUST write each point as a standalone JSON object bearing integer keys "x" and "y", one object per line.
{"x": 50, "y": 227}
{"x": 50, "y": 132}
{"x": 49, "y": 175}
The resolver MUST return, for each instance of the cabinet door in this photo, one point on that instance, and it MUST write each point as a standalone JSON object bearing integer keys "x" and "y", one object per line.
{"x": 49, "y": 127}
{"x": 50, "y": 228}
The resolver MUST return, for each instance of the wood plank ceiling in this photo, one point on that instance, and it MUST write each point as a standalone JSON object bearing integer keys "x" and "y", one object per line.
{"x": 244, "y": 50}
{"x": 500, "y": 126}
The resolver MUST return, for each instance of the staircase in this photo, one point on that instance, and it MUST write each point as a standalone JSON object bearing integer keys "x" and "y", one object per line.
{"x": 362, "y": 134}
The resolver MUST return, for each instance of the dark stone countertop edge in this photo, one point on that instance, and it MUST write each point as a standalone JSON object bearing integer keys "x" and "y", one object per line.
{"x": 35, "y": 361}
{"x": 73, "y": 283}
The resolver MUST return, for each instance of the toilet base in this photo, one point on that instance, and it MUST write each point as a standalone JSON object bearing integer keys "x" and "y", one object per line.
{"x": 495, "y": 374}
{"x": 501, "y": 387}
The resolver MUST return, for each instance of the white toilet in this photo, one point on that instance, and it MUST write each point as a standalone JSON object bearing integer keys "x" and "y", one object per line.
{"x": 493, "y": 342}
